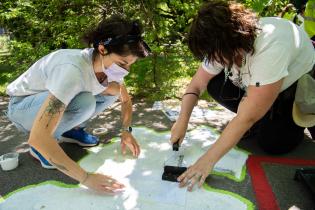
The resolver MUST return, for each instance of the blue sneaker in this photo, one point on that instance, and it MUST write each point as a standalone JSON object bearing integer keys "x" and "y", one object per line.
{"x": 80, "y": 137}
{"x": 42, "y": 160}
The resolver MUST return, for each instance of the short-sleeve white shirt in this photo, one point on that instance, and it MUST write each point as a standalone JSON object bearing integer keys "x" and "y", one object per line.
{"x": 64, "y": 73}
{"x": 282, "y": 50}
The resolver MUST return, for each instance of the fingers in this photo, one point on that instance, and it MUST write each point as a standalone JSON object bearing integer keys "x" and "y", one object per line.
{"x": 137, "y": 150}
{"x": 180, "y": 140}
{"x": 109, "y": 190}
{"x": 185, "y": 178}
{"x": 133, "y": 146}
{"x": 175, "y": 138}
{"x": 112, "y": 184}
{"x": 202, "y": 180}
{"x": 190, "y": 178}
{"x": 183, "y": 175}
{"x": 128, "y": 140}
{"x": 178, "y": 132}
{"x": 193, "y": 181}
{"x": 104, "y": 184}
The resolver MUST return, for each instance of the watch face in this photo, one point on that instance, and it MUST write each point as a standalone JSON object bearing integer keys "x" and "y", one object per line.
{"x": 128, "y": 129}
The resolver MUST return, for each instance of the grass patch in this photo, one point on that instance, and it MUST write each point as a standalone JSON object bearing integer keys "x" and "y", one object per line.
{"x": 7, "y": 74}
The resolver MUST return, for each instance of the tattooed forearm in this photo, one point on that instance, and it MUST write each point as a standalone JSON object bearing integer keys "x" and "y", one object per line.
{"x": 54, "y": 107}
{"x": 60, "y": 167}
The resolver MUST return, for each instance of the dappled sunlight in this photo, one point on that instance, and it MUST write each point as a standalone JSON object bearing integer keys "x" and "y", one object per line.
{"x": 147, "y": 109}
{"x": 296, "y": 36}
{"x": 159, "y": 125}
{"x": 160, "y": 147}
{"x": 95, "y": 149}
{"x": 268, "y": 29}
{"x": 148, "y": 168}
{"x": 118, "y": 169}
{"x": 23, "y": 148}
{"x": 147, "y": 173}
{"x": 142, "y": 177}
{"x": 202, "y": 113}
{"x": 11, "y": 139}
{"x": 7, "y": 138}
{"x": 203, "y": 134}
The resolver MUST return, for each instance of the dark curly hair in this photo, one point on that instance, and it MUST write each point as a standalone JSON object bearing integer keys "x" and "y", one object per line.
{"x": 220, "y": 30}
{"x": 118, "y": 30}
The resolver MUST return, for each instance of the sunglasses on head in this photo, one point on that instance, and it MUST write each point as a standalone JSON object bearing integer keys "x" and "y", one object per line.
{"x": 127, "y": 39}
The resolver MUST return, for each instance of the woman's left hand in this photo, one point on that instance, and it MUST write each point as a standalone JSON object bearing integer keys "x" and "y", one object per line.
{"x": 197, "y": 173}
{"x": 128, "y": 140}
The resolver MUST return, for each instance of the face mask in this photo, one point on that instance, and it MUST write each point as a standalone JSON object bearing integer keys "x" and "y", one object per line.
{"x": 114, "y": 73}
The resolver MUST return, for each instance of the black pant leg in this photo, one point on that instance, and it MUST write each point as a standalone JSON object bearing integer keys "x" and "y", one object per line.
{"x": 278, "y": 134}
{"x": 312, "y": 132}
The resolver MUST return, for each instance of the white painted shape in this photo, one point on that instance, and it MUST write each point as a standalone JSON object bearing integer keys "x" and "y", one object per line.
{"x": 142, "y": 178}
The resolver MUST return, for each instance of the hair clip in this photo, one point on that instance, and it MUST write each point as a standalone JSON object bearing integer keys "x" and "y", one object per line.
{"x": 107, "y": 41}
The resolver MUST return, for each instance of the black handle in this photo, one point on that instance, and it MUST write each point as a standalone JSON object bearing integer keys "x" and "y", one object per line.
{"x": 176, "y": 146}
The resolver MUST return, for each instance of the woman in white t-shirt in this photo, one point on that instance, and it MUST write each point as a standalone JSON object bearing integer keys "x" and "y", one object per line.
{"x": 61, "y": 91}
{"x": 250, "y": 66}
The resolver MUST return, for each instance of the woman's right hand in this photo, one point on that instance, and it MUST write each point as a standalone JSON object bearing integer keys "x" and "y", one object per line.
{"x": 102, "y": 183}
{"x": 178, "y": 132}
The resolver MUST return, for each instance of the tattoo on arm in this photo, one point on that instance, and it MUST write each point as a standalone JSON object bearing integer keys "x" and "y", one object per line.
{"x": 61, "y": 167}
{"x": 55, "y": 106}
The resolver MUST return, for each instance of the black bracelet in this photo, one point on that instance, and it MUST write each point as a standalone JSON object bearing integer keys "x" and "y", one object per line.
{"x": 191, "y": 93}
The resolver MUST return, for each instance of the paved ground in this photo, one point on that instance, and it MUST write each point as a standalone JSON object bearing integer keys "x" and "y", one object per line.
{"x": 30, "y": 172}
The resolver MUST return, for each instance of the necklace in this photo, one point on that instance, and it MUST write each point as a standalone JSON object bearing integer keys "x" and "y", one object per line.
{"x": 243, "y": 61}
{"x": 238, "y": 77}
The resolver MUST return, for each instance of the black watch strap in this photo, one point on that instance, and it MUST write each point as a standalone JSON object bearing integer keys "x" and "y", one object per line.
{"x": 128, "y": 129}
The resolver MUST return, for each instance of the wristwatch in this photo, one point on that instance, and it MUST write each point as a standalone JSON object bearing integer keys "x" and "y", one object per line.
{"x": 128, "y": 129}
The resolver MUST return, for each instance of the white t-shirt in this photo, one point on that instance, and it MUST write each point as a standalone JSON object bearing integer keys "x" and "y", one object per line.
{"x": 282, "y": 50}
{"x": 64, "y": 73}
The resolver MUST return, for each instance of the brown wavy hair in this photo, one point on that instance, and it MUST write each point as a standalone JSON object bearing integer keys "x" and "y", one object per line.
{"x": 112, "y": 27}
{"x": 220, "y": 30}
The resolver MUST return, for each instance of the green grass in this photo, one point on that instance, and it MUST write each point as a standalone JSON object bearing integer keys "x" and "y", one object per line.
{"x": 7, "y": 72}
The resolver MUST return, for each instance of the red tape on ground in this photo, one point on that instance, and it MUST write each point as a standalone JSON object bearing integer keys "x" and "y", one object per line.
{"x": 264, "y": 195}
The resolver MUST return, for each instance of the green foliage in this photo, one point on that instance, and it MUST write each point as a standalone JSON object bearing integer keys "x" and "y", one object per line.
{"x": 266, "y": 7}
{"x": 166, "y": 24}
{"x": 4, "y": 44}
{"x": 38, "y": 27}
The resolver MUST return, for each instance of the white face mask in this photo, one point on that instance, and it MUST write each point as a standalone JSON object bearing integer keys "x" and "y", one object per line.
{"x": 114, "y": 73}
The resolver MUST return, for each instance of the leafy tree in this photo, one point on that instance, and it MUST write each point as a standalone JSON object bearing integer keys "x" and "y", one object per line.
{"x": 38, "y": 27}
{"x": 266, "y": 7}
